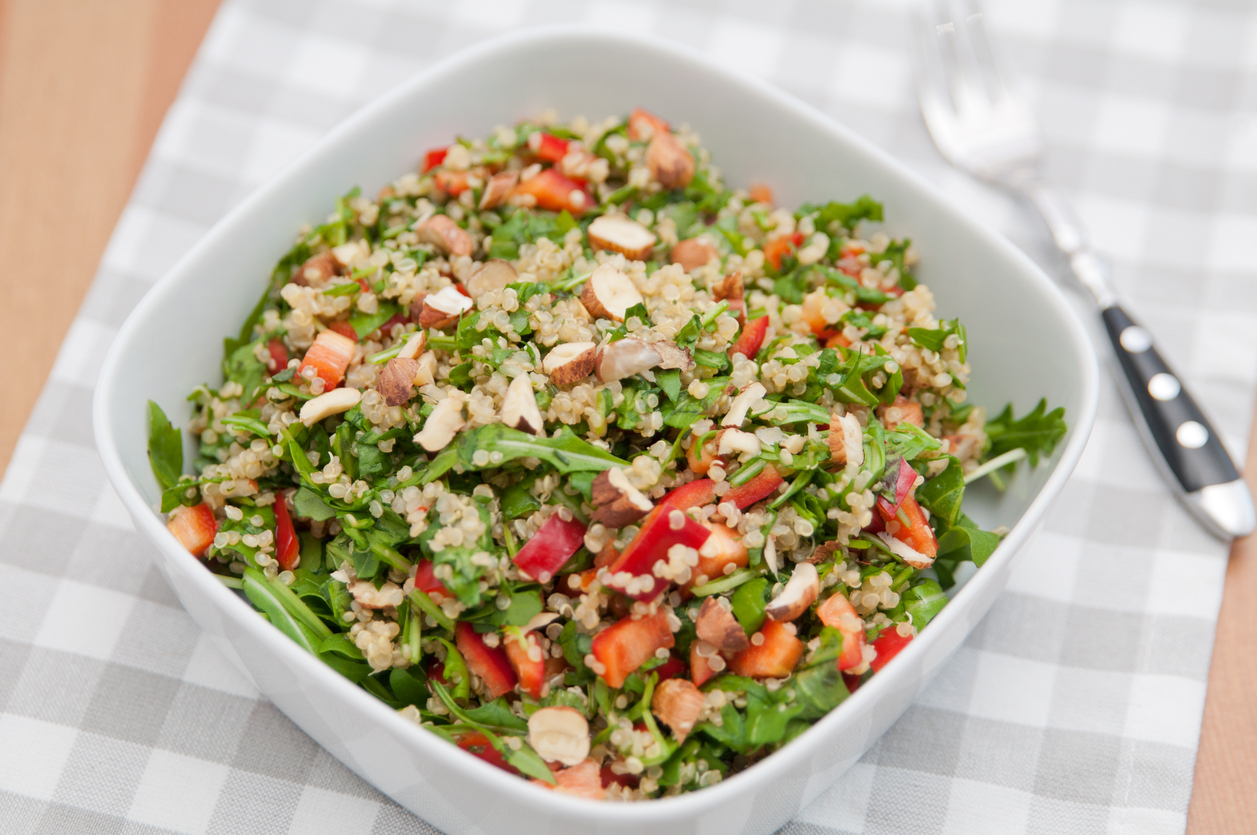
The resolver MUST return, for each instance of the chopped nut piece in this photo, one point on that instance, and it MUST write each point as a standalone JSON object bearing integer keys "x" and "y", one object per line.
{"x": 414, "y": 345}
{"x": 326, "y": 405}
{"x": 609, "y": 293}
{"x": 731, "y": 440}
{"x": 906, "y": 552}
{"x": 717, "y": 626}
{"x": 570, "y": 362}
{"x": 846, "y": 440}
{"x": 669, "y": 161}
{"x": 672, "y": 355}
{"x": 351, "y": 251}
{"x": 623, "y": 235}
{"x": 626, "y": 357}
{"x": 498, "y": 189}
{"x": 493, "y": 274}
{"x": 677, "y": 703}
{"x": 519, "y": 407}
{"x": 425, "y": 374}
{"x": 824, "y": 552}
{"x": 742, "y": 404}
{"x": 692, "y": 253}
{"x": 559, "y": 734}
{"x": 617, "y": 502}
{"x": 729, "y": 287}
{"x": 318, "y": 270}
{"x": 443, "y": 308}
{"x": 397, "y": 379}
{"x": 445, "y": 234}
{"x": 803, "y": 587}
{"x": 443, "y": 424}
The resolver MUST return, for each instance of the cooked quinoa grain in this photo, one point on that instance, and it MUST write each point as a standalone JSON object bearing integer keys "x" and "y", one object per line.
{"x": 612, "y": 475}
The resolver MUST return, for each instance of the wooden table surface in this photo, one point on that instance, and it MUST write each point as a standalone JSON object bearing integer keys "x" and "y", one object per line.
{"x": 84, "y": 85}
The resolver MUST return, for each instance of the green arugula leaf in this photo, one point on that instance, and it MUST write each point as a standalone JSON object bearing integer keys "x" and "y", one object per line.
{"x": 847, "y": 215}
{"x": 165, "y": 449}
{"x": 942, "y": 493}
{"x": 310, "y": 505}
{"x": 923, "y": 601}
{"x": 1037, "y": 433}
{"x": 566, "y": 453}
{"x": 366, "y": 323}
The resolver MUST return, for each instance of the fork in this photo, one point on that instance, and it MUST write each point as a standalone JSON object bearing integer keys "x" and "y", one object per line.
{"x": 983, "y": 125}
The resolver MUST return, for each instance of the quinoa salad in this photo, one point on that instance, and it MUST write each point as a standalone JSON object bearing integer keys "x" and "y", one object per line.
{"x": 612, "y": 475}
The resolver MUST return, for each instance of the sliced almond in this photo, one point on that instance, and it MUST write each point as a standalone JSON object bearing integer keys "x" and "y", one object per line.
{"x": 846, "y": 440}
{"x": 672, "y": 355}
{"x": 326, "y": 405}
{"x": 498, "y": 189}
{"x": 397, "y": 380}
{"x": 692, "y": 253}
{"x": 414, "y": 345}
{"x": 731, "y": 440}
{"x": 669, "y": 161}
{"x": 729, "y": 287}
{"x": 443, "y": 308}
{"x": 717, "y": 626}
{"x": 443, "y": 424}
{"x": 445, "y": 234}
{"x": 617, "y": 502}
{"x": 493, "y": 274}
{"x": 906, "y": 552}
{"x": 626, "y": 357}
{"x": 609, "y": 293}
{"x": 570, "y": 362}
{"x": 623, "y": 235}
{"x": 741, "y": 404}
{"x": 425, "y": 373}
{"x": 318, "y": 270}
{"x": 559, "y": 734}
{"x": 801, "y": 589}
{"x": 519, "y": 406}
{"x": 678, "y": 703}
{"x": 351, "y": 251}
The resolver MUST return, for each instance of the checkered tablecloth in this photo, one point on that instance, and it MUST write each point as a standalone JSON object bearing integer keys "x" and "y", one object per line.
{"x": 1075, "y": 707}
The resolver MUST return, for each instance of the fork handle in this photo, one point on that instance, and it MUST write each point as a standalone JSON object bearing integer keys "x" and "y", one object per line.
{"x": 1175, "y": 425}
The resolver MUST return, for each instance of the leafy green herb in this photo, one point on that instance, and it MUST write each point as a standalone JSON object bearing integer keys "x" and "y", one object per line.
{"x": 165, "y": 448}
{"x": 1037, "y": 433}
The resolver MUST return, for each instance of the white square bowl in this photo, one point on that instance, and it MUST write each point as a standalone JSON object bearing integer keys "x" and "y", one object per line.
{"x": 1025, "y": 343}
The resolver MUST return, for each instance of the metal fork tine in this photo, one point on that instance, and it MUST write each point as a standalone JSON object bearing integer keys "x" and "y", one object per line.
{"x": 932, "y": 86}
{"x": 969, "y": 84}
{"x": 1000, "y": 80}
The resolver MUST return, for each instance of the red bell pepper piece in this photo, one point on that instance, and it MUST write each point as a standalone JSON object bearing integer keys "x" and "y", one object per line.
{"x": 672, "y": 668}
{"x": 698, "y": 493}
{"x": 723, "y": 549}
{"x": 832, "y": 613}
{"x": 551, "y": 548}
{"x": 556, "y": 193}
{"x": 194, "y": 527}
{"x": 287, "y": 546}
{"x": 433, "y": 158}
{"x": 452, "y": 183}
{"x": 700, "y": 667}
{"x": 610, "y": 778}
{"x": 427, "y": 582}
{"x": 279, "y": 356}
{"x": 548, "y": 146}
{"x": 478, "y": 746}
{"x": 889, "y": 644}
{"x": 905, "y": 480}
{"x": 760, "y": 487}
{"x": 852, "y": 682}
{"x": 386, "y": 329}
{"x": 629, "y": 643}
{"x": 521, "y": 647}
{"x": 651, "y": 545}
{"x": 914, "y": 530}
{"x": 776, "y": 657}
{"x": 329, "y": 356}
{"x": 778, "y": 248}
{"x": 490, "y": 664}
{"x": 641, "y": 122}
{"x": 751, "y": 339}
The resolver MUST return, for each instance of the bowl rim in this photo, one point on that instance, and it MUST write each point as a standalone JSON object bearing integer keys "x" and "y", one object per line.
{"x": 427, "y": 744}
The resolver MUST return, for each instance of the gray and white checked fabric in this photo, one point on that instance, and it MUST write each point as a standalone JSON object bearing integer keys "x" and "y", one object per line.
{"x": 1075, "y": 707}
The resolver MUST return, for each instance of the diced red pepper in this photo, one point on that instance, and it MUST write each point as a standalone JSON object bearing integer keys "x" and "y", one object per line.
{"x": 700, "y": 667}
{"x": 751, "y": 339}
{"x": 554, "y": 192}
{"x": 776, "y": 657}
{"x": 629, "y": 643}
{"x": 651, "y": 545}
{"x": 760, "y": 487}
{"x": 779, "y": 247}
{"x": 581, "y": 780}
{"x": 194, "y": 527}
{"x": 640, "y": 120}
{"x": 831, "y": 613}
{"x": 548, "y": 146}
{"x": 761, "y": 193}
{"x": 279, "y": 356}
{"x": 386, "y": 329}
{"x": 478, "y": 746}
{"x": 914, "y": 530}
{"x": 287, "y": 546}
{"x": 702, "y": 456}
{"x": 905, "y": 480}
{"x": 671, "y": 668}
{"x": 452, "y": 183}
{"x": 550, "y": 548}
{"x": 434, "y": 158}
{"x": 889, "y": 644}
{"x": 610, "y": 778}
{"x": 329, "y": 356}
{"x": 723, "y": 549}
{"x": 531, "y": 671}
{"x": 490, "y": 664}
{"x": 698, "y": 493}
{"x": 903, "y": 410}
{"x": 427, "y": 582}
{"x": 852, "y": 682}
